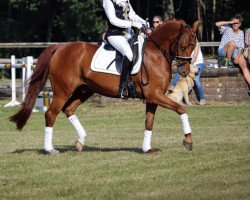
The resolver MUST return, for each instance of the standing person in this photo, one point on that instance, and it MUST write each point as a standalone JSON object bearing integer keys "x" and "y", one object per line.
{"x": 247, "y": 44}
{"x": 232, "y": 44}
{"x": 197, "y": 61}
{"x": 157, "y": 20}
{"x": 121, "y": 18}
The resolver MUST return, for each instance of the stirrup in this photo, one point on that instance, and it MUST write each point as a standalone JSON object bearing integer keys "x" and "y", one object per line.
{"x": 123, "y": 92}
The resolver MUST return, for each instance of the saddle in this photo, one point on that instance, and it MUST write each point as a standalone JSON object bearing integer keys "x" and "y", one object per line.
{"x": 108, "y": 60}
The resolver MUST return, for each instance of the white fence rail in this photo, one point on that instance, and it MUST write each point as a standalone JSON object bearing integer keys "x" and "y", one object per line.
{"x": 46, "y": 44}
{"x": 26, "y": 65}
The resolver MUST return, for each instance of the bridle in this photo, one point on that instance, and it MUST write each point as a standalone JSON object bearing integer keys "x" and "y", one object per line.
{"x": 183, "y": 59}
{"x": 180, "y": 60}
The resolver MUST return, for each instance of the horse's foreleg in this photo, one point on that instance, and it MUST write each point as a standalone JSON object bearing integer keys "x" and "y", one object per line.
{"x": 150, "y": 113}
{"x": 187, "y": 142}
{"x": 69, "y": 110}
{"x": 162, "y": 100}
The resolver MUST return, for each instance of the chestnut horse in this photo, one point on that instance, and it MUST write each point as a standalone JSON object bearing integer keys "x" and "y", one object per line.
{"x": 73, "y": 82}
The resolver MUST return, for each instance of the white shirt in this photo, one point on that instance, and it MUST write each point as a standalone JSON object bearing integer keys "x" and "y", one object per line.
{"x": 110, "y": 12}
{"x": 199, "y": 58}
{"x": 229, "y": 35}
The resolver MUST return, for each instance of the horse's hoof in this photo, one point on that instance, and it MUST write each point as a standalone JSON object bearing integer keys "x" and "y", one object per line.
{"x": 79, "y": 146}
{"x": 151, "y": 151}
{"x": 52, "y": 152}
{"x": 188, "y": 145}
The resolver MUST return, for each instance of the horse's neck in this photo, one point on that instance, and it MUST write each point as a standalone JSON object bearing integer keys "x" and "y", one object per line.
{"x": 166, "y": 33}
{"x": 156, "y": 58}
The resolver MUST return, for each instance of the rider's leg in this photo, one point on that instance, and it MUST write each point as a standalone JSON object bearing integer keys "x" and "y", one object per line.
{"x": 126, "y": 70}
{"x": 121, "y": 44}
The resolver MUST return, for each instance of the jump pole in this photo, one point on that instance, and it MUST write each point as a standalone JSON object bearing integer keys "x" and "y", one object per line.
{"x": 27, "y": 75}
{"x": 13, "y": 101}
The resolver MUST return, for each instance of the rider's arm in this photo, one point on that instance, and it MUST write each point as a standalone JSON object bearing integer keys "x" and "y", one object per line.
{"x": 110, "y": 12}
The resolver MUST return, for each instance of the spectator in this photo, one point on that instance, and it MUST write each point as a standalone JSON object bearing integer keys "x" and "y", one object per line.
{"x": 157, "y": 20}
{"x": 232, "y": 44}
{"x": 247, "y": 44}
{"x": 197, "y": 61}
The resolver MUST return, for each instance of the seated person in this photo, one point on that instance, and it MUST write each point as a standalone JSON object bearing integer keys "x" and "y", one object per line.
{"x": 247, "y": 44}
{"x": 232, "y": 44}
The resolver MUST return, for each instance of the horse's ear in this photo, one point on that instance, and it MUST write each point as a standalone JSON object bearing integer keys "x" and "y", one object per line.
{"x": 196, "y": 25}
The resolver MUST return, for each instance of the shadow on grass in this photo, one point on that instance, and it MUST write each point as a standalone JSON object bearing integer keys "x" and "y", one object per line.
{"x": 65, "y": 149}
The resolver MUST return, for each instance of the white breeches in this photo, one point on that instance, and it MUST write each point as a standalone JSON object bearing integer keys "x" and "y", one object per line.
{"x": 121, "y": 44}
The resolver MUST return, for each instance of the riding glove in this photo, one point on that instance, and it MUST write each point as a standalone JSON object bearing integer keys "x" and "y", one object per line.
{"x": 137, "y": 25}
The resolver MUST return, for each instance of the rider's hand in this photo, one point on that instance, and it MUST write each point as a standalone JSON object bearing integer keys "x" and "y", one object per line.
{"x": 137, "y": 25}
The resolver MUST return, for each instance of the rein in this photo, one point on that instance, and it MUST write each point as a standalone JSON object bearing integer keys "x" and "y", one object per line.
{"x": 163, "y": 51}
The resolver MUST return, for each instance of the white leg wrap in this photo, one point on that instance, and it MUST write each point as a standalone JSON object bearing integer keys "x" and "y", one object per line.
{"x": 48, "y": 133}
{"x": 185, "y": 123}
{"x": 147, "y": 140}
{"x": 79, "y": 128}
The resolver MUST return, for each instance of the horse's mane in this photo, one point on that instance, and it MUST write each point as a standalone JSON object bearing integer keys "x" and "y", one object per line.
{"x": 166, "y": 24}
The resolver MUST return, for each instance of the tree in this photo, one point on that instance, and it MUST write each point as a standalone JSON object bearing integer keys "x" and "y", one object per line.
{"x": 46, "y": 20}
{"x": 200, "y": 13}
{"x": 168, "y": 9}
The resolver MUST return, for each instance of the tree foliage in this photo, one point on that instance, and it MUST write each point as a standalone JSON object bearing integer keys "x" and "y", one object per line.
{"x": 46, "y": 20}
{"x": 70, "y": 20}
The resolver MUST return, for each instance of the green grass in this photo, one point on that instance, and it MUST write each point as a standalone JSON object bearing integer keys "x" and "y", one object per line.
{"x": 112, "y": 165}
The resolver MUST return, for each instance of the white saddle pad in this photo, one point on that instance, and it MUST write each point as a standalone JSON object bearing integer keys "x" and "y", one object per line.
{"x": 103, "y": 58}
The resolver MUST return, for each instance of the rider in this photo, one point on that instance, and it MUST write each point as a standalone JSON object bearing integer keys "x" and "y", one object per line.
{"x": 121, "y": 18}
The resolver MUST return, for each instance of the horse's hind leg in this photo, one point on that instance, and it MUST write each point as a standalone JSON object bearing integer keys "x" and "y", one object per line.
{"x": 50, "y": 118}
{"x": 77, "y": 99}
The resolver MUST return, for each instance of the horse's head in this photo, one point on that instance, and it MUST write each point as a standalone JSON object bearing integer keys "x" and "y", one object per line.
{"x": 176, "y": 40}
{"x": 183, "y": 46}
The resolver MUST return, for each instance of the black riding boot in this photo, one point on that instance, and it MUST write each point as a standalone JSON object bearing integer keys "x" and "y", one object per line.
{"x": 126, "y": 69}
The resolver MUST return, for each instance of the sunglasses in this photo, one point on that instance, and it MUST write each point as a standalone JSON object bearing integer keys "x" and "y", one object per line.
{"x": 156, "y": 22}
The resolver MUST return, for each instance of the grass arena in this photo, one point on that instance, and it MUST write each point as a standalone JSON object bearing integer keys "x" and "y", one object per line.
{"x": 112, "y": 165}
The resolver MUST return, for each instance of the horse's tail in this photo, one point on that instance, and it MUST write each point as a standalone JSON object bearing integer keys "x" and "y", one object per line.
{"x": 36, "y": 84}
